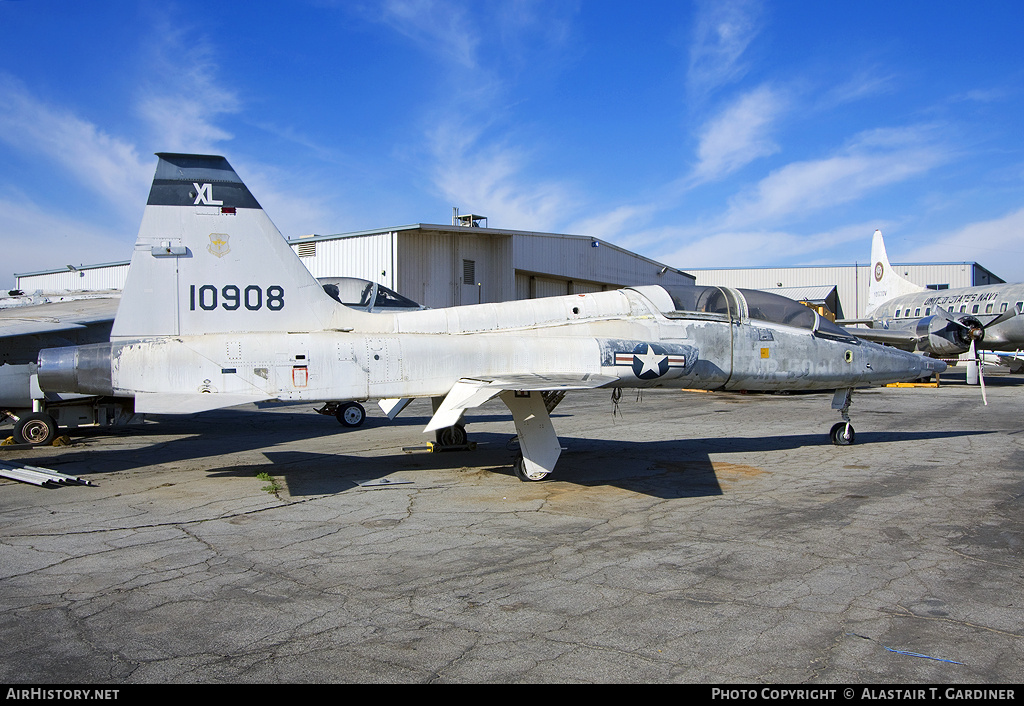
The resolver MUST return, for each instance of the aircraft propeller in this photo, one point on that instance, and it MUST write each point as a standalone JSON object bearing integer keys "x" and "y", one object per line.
{"x": 974, "y": 372}
{"x": 975, "y": 331}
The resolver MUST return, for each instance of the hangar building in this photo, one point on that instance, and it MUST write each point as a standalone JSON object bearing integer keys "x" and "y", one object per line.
{"x": 437, "y": 265}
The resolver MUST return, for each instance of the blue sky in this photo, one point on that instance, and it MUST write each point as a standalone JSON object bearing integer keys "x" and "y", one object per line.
{"x": 701, "y": 134}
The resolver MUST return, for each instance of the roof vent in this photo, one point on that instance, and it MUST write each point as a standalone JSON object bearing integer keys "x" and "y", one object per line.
{"x": 469, "y": 220}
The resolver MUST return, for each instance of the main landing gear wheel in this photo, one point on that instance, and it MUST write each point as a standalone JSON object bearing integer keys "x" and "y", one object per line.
{"x": 351, "y": 414}
{"x": 520, "y": 468}
{"x": 37, "y": 428}
{"x": 454, "y": 435}
{"x": 842, "y": 434}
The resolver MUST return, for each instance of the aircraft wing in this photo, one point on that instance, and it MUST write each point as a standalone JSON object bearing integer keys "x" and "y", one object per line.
{"x": 37, "y": 319}
{"x": 897, "y": 339}
{"x": 467, "y": 392}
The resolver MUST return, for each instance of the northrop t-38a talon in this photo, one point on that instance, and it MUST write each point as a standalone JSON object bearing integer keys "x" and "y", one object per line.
{"x": 217, "y": 311}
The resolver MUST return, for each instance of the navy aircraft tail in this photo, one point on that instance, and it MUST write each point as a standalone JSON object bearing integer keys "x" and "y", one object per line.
{"x": 885, "y": 282}
{"x": 208, "y": 259}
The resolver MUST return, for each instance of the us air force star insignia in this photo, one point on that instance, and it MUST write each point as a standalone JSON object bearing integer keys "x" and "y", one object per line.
{"x": 650, "y": 360}
{"x": 218, "y": 244}
{"x": 651, "y": 364}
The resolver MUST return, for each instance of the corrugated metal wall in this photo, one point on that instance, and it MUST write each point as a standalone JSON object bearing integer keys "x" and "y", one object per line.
{"x": 371, "y": 257}
{"x": 434, "y": 265}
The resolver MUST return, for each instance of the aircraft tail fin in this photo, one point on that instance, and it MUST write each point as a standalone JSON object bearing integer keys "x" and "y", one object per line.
{"x": 208, "y": 259}
{"x": 885, "y": 282}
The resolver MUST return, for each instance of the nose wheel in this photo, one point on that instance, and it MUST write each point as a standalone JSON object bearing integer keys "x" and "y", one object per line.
{"x": 841, "y": 433}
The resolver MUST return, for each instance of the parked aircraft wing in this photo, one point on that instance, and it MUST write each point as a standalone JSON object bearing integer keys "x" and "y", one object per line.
{"x": 467, "y": 393}
{"x": 53, "y": 317}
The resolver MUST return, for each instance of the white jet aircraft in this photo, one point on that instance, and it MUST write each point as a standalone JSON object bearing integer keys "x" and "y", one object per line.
{"x": 218, "y": 311}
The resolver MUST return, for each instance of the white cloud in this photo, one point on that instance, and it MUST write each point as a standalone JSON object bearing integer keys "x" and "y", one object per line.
{"x": 609, "y": 225}
{"x": 726, "y": 249}
{"x": 997, "y": 244}
{"x": 738, "y": 135}
{"x": 722, "y": 32}
{"x": 488, "y": 179}
{"x": 182, "y": 99}
{"x": 35, "y": 238}
{"x": 104, "y": 164}
{"x": 436, "y": 25}
{"x": 761, "y": 248}
{"x": 875, "y": 159}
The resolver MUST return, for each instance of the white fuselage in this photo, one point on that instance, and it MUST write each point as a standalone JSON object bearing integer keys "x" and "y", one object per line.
{"x": 423, "y": 353}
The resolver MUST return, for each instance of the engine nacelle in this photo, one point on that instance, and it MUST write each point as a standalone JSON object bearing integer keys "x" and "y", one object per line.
{"x": 83, "y": 369}
{"x": 940, "y": 337}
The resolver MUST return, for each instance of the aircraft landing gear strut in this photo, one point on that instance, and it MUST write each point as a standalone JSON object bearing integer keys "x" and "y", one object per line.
{"x": 842, "y": 433}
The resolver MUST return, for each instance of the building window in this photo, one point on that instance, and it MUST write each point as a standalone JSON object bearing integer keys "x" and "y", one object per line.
{"x": 469, "y": 271}
{"x": 938, "y": 286}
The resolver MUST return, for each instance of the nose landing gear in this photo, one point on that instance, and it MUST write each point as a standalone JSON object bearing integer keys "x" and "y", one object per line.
{"x": 842, "y": 433}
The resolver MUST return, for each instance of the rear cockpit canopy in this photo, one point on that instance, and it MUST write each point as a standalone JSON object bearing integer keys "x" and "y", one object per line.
{"x": 365, "y": 295}
{"x": 726, "y": 304}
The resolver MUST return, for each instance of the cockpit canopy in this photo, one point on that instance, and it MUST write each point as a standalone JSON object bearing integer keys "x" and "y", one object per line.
{"x": 732, "y": 304}
{"x": 365, "y": 295}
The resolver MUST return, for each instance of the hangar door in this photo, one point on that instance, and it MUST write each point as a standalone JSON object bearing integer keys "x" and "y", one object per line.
{"x": 536, "y": 286}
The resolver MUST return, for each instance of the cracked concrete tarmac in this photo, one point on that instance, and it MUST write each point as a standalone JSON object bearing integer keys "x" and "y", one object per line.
{"x": 688, "y": 538}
